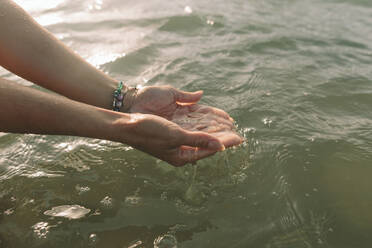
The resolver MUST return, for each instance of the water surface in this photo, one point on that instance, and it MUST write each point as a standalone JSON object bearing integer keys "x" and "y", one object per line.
{"x": 294, "y": 74}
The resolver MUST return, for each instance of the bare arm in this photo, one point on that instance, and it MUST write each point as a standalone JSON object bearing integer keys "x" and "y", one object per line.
{"x": 27, "y": 110}
{"x": 30, "y": 51}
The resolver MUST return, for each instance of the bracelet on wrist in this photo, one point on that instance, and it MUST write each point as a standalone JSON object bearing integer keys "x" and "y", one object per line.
{"x": 123, "y": 101}
{"x": 118, "y": 97}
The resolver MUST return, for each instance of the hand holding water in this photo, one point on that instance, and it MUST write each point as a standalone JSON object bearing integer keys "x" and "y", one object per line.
{"x": 181, "y": 108}
{"x": 166, "y": 140}
{"x": 172, "y": 126}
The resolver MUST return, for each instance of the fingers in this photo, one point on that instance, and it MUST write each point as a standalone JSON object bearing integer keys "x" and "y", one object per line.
{"x": 187, "y": 97}
{"x": 188, "y": 154}
{"x": 202, "y": 140}
{"x": 207, "y": 109}
{"x": 198, "y": 145}
{"x": 206, "y": 126}
{"x": 228, "y": 138}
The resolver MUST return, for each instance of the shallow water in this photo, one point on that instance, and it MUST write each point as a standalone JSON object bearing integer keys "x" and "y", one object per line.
{"x": 295, "y": 75}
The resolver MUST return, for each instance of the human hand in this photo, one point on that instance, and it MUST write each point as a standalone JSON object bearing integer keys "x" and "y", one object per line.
{"x": 209, "y": 120}
{"x": 180, "y": 107}
{"x": 162, "y": 100}
{"x": 167, "y": 140}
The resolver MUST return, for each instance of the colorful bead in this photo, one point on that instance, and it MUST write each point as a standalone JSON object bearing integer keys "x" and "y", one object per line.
{"x": 118, "y": 104}
{"x": 118, "y": 98}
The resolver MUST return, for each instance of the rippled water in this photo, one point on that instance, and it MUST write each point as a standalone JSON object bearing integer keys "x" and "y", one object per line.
{"x": 295, "y": 75}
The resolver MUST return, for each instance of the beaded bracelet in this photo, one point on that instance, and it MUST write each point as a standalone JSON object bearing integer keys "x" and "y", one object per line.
{"x": 118, "y": 97}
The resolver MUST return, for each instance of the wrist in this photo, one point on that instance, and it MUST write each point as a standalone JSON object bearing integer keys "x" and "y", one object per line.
{"x": 123, "y": 97}
{"x": 124, "y": 127}
{"x": 129, "y": 99}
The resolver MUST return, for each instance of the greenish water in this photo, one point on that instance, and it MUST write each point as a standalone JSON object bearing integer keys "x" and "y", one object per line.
{"x": 294, "y": 74}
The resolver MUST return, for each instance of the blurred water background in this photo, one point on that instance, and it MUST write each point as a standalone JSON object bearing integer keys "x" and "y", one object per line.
{"x": 295, "y": 75}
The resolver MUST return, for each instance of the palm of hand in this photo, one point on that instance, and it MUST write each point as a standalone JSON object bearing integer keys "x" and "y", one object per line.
{"x": 160, "y": 101}
{"x": 181, "y": 108}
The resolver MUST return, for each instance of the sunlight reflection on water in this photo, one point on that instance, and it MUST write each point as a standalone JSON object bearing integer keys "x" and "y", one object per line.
{"x": 38, "y": 5}
{"x": 68, "y": 211}
{"x": 294, "y": 76}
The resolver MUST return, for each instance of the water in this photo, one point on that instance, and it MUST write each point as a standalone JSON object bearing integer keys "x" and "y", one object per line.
{"x": 294, "y": 74}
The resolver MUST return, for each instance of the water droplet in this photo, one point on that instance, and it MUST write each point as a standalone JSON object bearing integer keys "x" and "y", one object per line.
{"x": 41, "y": 229}
{"x": 242, "y": 197}
{"x": 194, "y": 196}
{"x": 81, "y": 189}
{"x": 9, "y": 211}
{"x": 133, "y": 200}
{"x": 250, "y": 130}
{"x": 107, "y": 202}
{"x": 210, "y": 22}
{"x": 267, "y": 121}
{"x": 93, "y": 239}
{"x": 164, "y": 196}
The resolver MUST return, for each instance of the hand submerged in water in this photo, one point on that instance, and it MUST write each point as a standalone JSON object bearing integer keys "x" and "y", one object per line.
{"x": 181, "y": 108}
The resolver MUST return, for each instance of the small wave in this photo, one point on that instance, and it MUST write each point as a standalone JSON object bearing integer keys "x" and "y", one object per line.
{"x": 274, "y": 43}
{"x": 132, "y": 63}
{"x": 183, "y": 24}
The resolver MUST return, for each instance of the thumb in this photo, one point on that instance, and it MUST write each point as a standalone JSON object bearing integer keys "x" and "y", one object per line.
{"x": 203, "y": 140}
{"x": 188, "y": 97}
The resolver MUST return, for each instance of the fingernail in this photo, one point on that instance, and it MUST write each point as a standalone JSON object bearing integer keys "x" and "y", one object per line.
{"x": 215, "y": 145}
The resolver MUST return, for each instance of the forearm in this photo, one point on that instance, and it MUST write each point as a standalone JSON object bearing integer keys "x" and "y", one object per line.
{"x": 27, "y": 110}
{"x": 30, "y": 51}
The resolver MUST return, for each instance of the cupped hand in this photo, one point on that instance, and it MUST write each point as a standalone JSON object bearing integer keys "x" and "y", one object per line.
{"x": 181, "y": 108}
{"x": 166, "y": 140}
{"x": 166, "y": 101}
{"x": 203, "y": 119}
{"x": 162, "y": 100}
